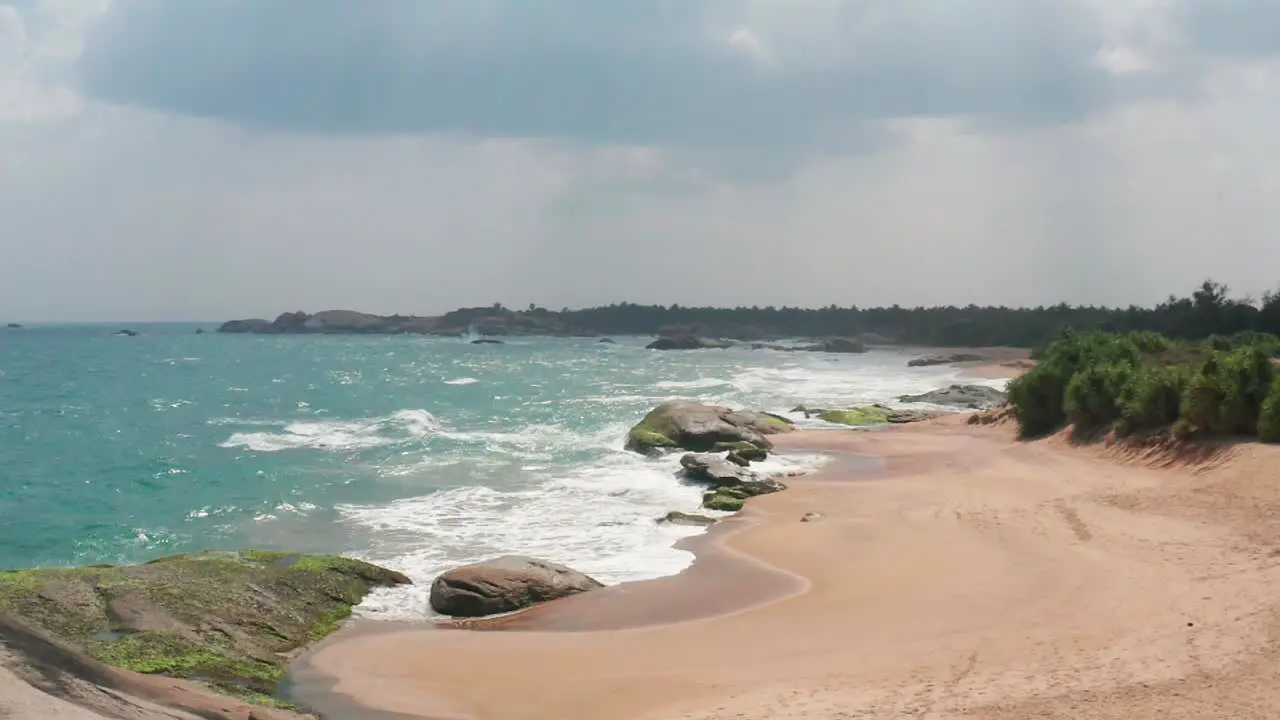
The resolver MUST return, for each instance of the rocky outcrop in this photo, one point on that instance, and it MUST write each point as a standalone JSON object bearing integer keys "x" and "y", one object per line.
{"x": 505, "y": 584}
{"x": 675, "y": 517}
{"x": 688, "y": 425}
{"x": 837, "y": 345}
{"x": 929, "y": 360}
{"x": 332, "y": 322}
{"x": 200, "y": 331}
{"x": 14, "y": 326}
{"x": 730, "y": 484}
{"x": 687, "y": 342}
{"x": 226, "y": 619}
{"x": 606, "y": 341}
{"x": 973, "y": 397}
{"x": 487, "y": 341}
{"x": 128, "y": 333}
{"x": 868, "y": 415}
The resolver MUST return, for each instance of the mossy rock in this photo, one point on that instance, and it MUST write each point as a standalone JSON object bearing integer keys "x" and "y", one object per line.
{"x": 723, "y": 500}
{"x": 857, "y": 417}
{"x": 694, "y": 426}
{"x": 229, "y": 619}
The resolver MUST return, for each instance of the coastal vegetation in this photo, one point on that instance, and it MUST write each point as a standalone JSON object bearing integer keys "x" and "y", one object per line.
{"x": 1208, "y": 311}
{"x": 1140, "y": 382}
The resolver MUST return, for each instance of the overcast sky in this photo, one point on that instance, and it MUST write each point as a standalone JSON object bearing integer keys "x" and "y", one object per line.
{"x": 208, "y": 159}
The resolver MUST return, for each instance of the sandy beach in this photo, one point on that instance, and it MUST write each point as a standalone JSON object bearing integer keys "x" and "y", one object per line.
{"x": 972, "y": 576}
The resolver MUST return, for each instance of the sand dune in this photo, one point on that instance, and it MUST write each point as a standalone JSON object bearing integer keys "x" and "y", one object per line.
{"x": 974, "y": 577}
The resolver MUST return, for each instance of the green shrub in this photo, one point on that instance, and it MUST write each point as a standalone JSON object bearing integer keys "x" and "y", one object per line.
{"x": 1151, "y": 401}
{"x": 1225, "y": 394}
{"x": 1094, "y": 394}
{"x": 1037, "y": 400}
{"x": 1269, "y": 416}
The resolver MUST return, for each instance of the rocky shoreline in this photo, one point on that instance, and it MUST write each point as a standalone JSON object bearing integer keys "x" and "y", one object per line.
{"x": 228, "y": 623}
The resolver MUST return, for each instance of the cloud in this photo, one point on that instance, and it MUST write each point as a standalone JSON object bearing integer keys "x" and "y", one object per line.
{"x": 731, "y": 73}
{"x": 166, "y": 160}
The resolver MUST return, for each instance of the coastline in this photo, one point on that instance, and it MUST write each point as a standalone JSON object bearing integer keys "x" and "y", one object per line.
{"x": 975, "y": 577}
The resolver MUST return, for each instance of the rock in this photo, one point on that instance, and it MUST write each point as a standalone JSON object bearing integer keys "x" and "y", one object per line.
{"x": 487, "y": 341}
{"x": 606, "y": 341}
{"x": 811, "y": 517}
{"x": 693, "y": 426}
{"x": 256, "y": 326}
{"x": 675, "y": 517}
{"x": 771, "y": 346}
{"x": 737, "y": 459}
{"x": 714, "y": 470}
{"x": 745, "y": 449}
{"x": 722, "y": 501}
{"x": 974, "y": 397}
{"x": 505, "y": 584}
{"x": 229, "y": 618}
{"x": 929, "y": 360}
{"x": 14, "y": 326}
{"x": 764, "y": 486}
{"x": 837, "y": 345}
{"x": 873, "y": 415}
{"x": 200, "y": 331}
{"x": 687, "y": 342}
{"x": 127, "y": 332}
{"x": 857, "y": 417}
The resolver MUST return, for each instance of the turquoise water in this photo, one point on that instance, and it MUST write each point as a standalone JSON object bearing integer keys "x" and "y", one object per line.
{"x": 416, "y": 452}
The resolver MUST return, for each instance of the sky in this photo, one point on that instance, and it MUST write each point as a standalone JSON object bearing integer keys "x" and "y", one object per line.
{"x": 212, "y": 159}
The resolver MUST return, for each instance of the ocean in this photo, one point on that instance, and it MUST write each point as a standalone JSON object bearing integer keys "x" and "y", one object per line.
{"x": 417, "y": 453}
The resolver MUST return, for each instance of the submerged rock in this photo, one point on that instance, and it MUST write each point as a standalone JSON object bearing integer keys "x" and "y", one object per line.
{"x": 487, "y": 341}
{"x": 974, "y": 397}
{"x": 127, "y": 332}
{"x": 675, "y": 517}
{"x": 230, "y": 619}
{"x": 505, "y": 584}
{"x": 14, "y": 326}
{"x": 606, "y": 341}
{"x": 688, "y": 425}
{"x": 687, "y": 342}
{"x": 930, "y": 360}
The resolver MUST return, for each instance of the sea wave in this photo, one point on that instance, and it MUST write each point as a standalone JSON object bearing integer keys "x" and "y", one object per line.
{"x": 462, "y": 381}
{"x": 599, "y": 518}
{"x": 340, "y": 435}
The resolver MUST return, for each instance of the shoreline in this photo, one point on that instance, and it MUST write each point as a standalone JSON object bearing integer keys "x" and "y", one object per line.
{"x": 974, "y": 577}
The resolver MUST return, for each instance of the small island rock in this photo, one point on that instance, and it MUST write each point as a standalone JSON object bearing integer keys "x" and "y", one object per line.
{"x": 930, "y": 360}
{"x": 687, "y": 342}
{"x": 503, "y": 585}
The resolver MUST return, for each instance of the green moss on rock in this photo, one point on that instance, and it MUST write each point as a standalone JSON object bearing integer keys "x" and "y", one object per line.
{"x": 722, "y": 500}
{"x": 230, "y": 619}
{"x": 857, "y": 416}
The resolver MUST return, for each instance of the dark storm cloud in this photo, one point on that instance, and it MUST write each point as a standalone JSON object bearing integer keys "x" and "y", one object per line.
{"x": 613, "y": 71}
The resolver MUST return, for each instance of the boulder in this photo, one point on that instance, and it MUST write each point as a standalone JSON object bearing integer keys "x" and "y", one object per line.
{"x": 606, "y": 341}
{"x": 687, "y": 342}
{"x": 973, "y": 397}
{"x": 929, "y": 360}
{"x": 722, "y": 501}
{"x": 231, "y": 619}
{"x": 837, "y": 345}
{"x": 675, "y": 517}
{"x": 505, "y": 584}
{"x": 127, "y": 332}
{"x": 14, "y": 326}
{"x": 714, "y": 470}
{"x": 689, "y": 425}
{"x": 736, "y": 458}
{"x": 200, "y": 331}
{"x": 487, "y": 341}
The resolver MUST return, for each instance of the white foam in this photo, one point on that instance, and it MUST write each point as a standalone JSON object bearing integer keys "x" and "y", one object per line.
{"x": 338, "y": 435}
{"x": 462, "y": 381}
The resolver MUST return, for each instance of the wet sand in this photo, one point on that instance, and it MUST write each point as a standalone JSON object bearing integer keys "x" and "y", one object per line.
{"x": 975, "y": 577}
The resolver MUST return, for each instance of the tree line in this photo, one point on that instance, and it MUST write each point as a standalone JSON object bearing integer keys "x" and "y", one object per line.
{"x": 1208, "y": 311}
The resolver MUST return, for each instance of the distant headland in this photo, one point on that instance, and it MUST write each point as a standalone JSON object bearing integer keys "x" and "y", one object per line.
{"x": 1208, "y": 311}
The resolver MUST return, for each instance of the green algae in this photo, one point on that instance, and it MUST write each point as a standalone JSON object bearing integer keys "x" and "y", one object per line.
{"x": 229, "y": 619}
{"x": 857, "y": 416}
